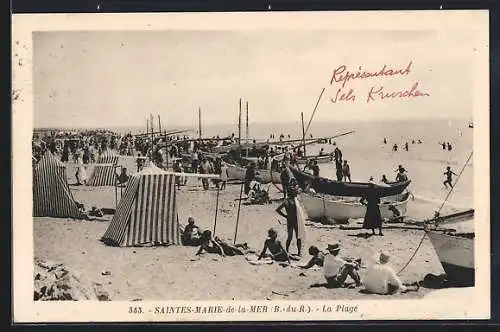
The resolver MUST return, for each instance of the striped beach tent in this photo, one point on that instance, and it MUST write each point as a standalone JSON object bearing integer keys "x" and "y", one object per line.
{"x": 147, "y": 212}
{"x": 104, "y": 173}
{"x": 51, "y": 194}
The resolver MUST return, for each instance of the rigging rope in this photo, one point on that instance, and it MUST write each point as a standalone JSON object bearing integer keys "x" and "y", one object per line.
{"x": 439, "y": 210}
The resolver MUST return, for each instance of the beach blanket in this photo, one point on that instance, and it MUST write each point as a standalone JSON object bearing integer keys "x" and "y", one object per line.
{"x": 301, "y": 220}
{"x": 254, "y": 260}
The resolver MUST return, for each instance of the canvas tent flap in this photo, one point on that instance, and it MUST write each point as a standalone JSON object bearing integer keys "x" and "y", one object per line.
{"x": 147, "y": 213}
{"x": 51, "y": 194}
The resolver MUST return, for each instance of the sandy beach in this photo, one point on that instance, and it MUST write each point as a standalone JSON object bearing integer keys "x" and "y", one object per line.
{"x": 175, "y": 273}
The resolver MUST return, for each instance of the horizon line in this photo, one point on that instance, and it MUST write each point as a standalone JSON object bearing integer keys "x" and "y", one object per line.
{"x": 259, "y": 123}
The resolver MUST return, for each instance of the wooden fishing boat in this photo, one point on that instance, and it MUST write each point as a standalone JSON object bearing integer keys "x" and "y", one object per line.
{"x": 235, "y": 172}
{"x": 343, "y": 209}
{"x": 352, "y": 189}
{"x": 320, "y": 159}
{"x": 455, "y": 251}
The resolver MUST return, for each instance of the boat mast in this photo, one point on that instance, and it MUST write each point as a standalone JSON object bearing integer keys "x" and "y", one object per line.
{"x": 199, "y": 122}
{"x": 303, "y": 133}
{"x": 152, "y": 133}
{"x": 246, "y": 103}
{"x": 239, "y": 124}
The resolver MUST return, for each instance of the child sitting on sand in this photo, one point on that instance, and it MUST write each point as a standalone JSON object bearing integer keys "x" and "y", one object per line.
{"x": 318, "y": 258}
{"x": 191, "y": 235}
{"x": 277, "y": 252}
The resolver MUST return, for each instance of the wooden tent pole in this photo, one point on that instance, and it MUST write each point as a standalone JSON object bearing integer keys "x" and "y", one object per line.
{"x": 238, "y": 215}
{"x": 216, "y": 209}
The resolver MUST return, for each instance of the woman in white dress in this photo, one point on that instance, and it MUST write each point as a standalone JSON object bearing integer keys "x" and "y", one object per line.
{"x": 81, "y": 172}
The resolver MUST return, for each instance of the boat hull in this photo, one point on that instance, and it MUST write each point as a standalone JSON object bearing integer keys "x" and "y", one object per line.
{"x": 456, "y": 255}
{"x": 341, "y": 210}
{"x": 320, "y": 159}
{"x": 238, "y": 173}
{"x": 351, "y": 189}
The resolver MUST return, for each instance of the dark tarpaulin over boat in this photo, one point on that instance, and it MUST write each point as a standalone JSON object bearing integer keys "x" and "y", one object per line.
{"x": 352, "y": 189}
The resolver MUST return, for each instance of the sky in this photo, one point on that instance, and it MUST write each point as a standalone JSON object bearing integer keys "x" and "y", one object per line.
{"x": 111, "y": 79}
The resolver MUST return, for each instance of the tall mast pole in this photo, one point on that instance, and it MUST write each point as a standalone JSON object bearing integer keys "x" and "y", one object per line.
{"x": 246, "y": 104}
{"x": 152, "y": 133}
{"x": 247, "y": 135}
{"x": 239, "y": 125}
{"x": 199, "y": 122}
{"x": 303, "y": 133}
{"x": 159, "y": 124}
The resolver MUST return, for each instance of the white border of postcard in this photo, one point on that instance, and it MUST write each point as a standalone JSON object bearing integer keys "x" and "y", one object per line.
{"x": 473, "y": 305}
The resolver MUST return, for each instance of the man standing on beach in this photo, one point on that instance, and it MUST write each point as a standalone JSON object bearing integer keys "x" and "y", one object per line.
{"x": 249, "y": 177}
{"x": 346, "y": 171}
{"x": 292, "y": 223}
{"x": 315, "y": 168}
{"x": 337, "y": 155}
{"x": 448, "y": 174}
{"x": 285, "y": 179}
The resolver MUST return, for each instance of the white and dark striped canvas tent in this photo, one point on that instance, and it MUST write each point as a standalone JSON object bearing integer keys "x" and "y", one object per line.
{"x": 104, "y": 173}
{"x": 51, "y": 194}
{"x": 147, "y": 212}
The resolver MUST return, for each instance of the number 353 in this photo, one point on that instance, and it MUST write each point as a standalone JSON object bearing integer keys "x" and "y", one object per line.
{"x": 135, "y": 310}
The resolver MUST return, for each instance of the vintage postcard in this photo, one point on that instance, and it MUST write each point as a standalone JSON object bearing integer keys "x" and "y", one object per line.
{"x": 251, "y": 166}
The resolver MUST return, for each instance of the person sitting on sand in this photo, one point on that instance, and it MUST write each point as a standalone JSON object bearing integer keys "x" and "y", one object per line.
{"x": 96, "y": 212}
{"x": 277, "y": 252}
{"x": 380, "y": 277}
{"x": 123, "y": 177}
{"x": 318, "y": 258}
{"x": 191, "y": 235}
{"x": 209, "y": 245}
{"x": 336, "y": 269}
{"x": 384, "y": 179}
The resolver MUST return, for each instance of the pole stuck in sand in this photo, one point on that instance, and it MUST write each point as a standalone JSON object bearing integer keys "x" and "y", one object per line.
{"x": 216, "y": 209}
{"x": 238, "y": 214}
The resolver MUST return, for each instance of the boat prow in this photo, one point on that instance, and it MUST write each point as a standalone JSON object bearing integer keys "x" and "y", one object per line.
{"x": 455, "y": 252}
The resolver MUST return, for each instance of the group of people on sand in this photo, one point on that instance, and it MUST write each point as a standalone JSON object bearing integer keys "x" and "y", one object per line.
{"x": 379, "y": 278}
